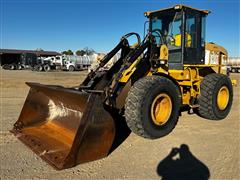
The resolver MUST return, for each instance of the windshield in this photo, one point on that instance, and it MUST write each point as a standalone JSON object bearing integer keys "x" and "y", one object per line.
{"x": 168, "y": 24}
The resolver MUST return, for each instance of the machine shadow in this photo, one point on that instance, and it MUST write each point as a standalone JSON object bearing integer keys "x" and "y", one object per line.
{"x": 181, "y": 164}
{"x": 121, "y": 128}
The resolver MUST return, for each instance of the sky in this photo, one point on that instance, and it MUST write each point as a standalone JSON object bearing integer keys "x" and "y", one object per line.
{"x": 59, "y": 25}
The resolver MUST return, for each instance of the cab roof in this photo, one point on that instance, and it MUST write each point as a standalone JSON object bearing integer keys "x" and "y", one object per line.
{"x": 176, "y": 7}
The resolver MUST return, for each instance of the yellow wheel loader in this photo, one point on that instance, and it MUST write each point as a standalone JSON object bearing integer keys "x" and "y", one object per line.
{"x": 147, "y": 88}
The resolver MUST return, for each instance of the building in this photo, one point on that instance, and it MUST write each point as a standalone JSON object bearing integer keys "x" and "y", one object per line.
{"x": 10, "y": 56}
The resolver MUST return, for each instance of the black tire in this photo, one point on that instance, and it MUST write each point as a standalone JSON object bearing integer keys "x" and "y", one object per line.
{"x": 12, "y": 67}
{"x": 71, "y": 68}
{"x": 38, "y": 68}
{"x": 138, "y": 106}
{"x": 47, "y": 67}
{"x": 209, "y": 88}
{"x": 33, "y": 68}
{"x": 233, "y": 70}
{"x": 5, "y": 66}
{"x": 238, "y": 70}
{"x": 19, "y": 67}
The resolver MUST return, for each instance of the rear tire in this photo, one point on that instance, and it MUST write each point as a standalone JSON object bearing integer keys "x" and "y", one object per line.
{"x": 140, "y": 107}
{"x": 12, "y": 67}
{"x": 19, "y": 67}
{"x": 46, "y": 68}
{"x": 215, "y": 100}
{"x": 5, "y": 66}
{"x": 38, "y": 68}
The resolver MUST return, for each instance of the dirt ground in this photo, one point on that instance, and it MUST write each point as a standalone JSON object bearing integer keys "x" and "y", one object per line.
{"x": 208, "y": 148}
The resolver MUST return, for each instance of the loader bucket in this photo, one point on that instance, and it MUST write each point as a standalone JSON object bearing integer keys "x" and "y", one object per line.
{"x": 65, "y": 127}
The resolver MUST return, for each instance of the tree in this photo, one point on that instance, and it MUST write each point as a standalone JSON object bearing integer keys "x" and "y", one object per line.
{"x": 89, "y": 51}
{"x": 80, "y": 52}
{"x": 85, "y": 51}
{"x": 68, "y": 52}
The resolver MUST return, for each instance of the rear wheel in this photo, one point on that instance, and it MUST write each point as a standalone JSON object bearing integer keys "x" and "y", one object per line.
{"x": 215, "y": 100}
{"x": 38, "y": 68}
{"x": 12, "y": 66}
{"x": 19, "y": 67}
{"x": 46, "y": 68}
{"x": 5, "y": 66}
{"x": 152, "y": 107}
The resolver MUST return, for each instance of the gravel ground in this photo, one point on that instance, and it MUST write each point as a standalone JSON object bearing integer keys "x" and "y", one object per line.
{"x": 196, "y": 148}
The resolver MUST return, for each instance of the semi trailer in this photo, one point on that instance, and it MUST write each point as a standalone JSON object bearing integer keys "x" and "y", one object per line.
{"x": 233, "y": 64}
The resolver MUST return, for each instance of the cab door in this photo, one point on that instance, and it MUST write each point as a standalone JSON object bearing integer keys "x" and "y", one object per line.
{"x": 174, "y": 42}
{"x": 194, "y": 48}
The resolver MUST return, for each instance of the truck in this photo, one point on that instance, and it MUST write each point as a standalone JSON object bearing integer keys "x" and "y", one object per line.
{"x": 65, "y": 62}
{"x": 25, "y": 61}
{"x": 49, "y": 63}
{"x": 73, "y": 62}
{"x": 233, "y": 64}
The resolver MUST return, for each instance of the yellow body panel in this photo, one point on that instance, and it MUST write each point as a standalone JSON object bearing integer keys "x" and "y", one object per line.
{"x": 188, "y": 80}
{"x": 234, "y": 82}
{"x": 127, "y": 73}
{"x": 163, "y": 52}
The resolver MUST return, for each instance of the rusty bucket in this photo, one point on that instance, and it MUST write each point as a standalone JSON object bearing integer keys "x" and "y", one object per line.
{"x": 65, "y": 127}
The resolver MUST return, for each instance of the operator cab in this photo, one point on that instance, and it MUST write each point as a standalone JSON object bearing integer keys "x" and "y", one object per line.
{"x": 182, "y": 30}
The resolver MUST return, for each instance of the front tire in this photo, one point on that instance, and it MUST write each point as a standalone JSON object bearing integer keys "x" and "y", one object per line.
{"x": 152, "y": 107}
{"x": 216, "y": 96}
{"x": 71, "y": 68}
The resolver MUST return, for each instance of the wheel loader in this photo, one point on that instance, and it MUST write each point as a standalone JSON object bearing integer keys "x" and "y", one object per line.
{"x": 149, "y": 86}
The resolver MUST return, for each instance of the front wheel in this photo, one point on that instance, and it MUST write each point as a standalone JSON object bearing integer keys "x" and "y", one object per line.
{"x": 71, "y": 68}
{"x": 152, "y": 107}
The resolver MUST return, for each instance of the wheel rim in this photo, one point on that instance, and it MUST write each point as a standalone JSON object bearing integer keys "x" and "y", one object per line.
{"x": 223, "y": 98}
{"x": 161, "y": 109}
